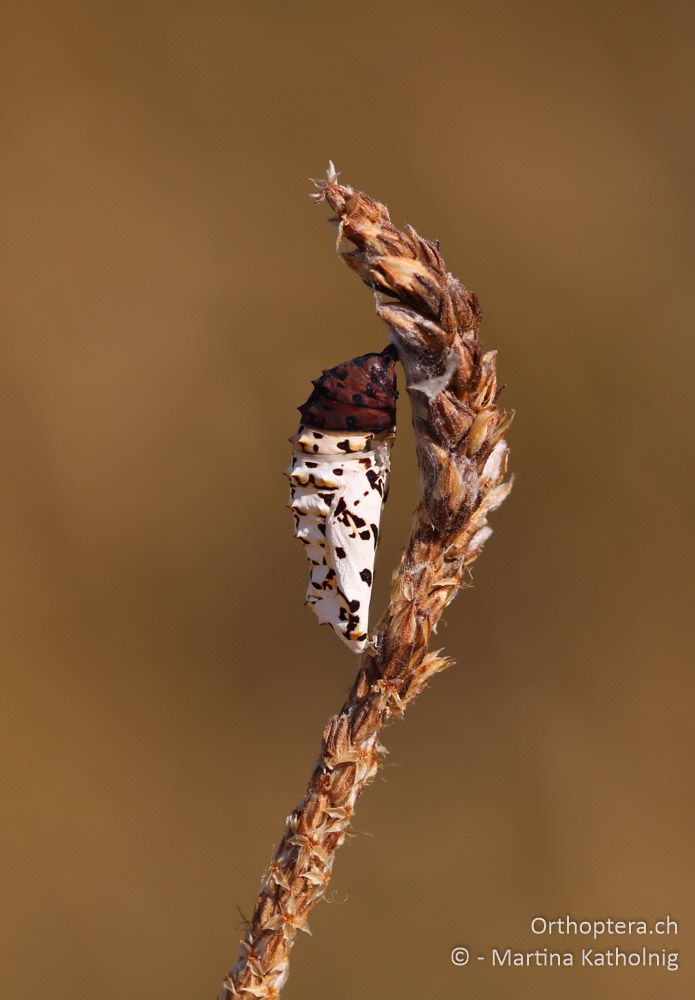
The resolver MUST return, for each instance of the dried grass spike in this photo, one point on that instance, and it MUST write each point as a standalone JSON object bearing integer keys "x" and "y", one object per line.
{"x": 463, "y": 459}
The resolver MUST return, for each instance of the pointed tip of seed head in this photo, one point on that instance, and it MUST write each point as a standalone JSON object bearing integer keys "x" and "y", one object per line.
{"x": 331, "y": 177}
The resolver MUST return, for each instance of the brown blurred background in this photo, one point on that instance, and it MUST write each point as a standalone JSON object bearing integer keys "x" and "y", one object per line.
{"x": 168, "y": 291}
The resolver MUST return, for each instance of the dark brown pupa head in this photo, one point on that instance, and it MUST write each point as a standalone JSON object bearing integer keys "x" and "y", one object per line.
{"x": 358, "y": 395}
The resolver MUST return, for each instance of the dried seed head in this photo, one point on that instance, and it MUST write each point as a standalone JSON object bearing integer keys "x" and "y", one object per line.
{"x": 463, "y": 458}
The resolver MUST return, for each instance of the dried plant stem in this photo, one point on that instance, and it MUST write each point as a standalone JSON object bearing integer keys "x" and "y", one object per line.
{"x": 462, "y": 458}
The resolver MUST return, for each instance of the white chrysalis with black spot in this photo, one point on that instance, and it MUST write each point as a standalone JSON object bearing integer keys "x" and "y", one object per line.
{"x": 338, "y": 483}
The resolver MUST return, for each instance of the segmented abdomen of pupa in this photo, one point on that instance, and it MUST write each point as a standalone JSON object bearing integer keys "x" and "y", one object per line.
{"x": 338, "y": 484}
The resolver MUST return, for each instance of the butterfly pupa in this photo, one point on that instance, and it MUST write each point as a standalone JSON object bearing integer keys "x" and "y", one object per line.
{"x": 338, "y": 484}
